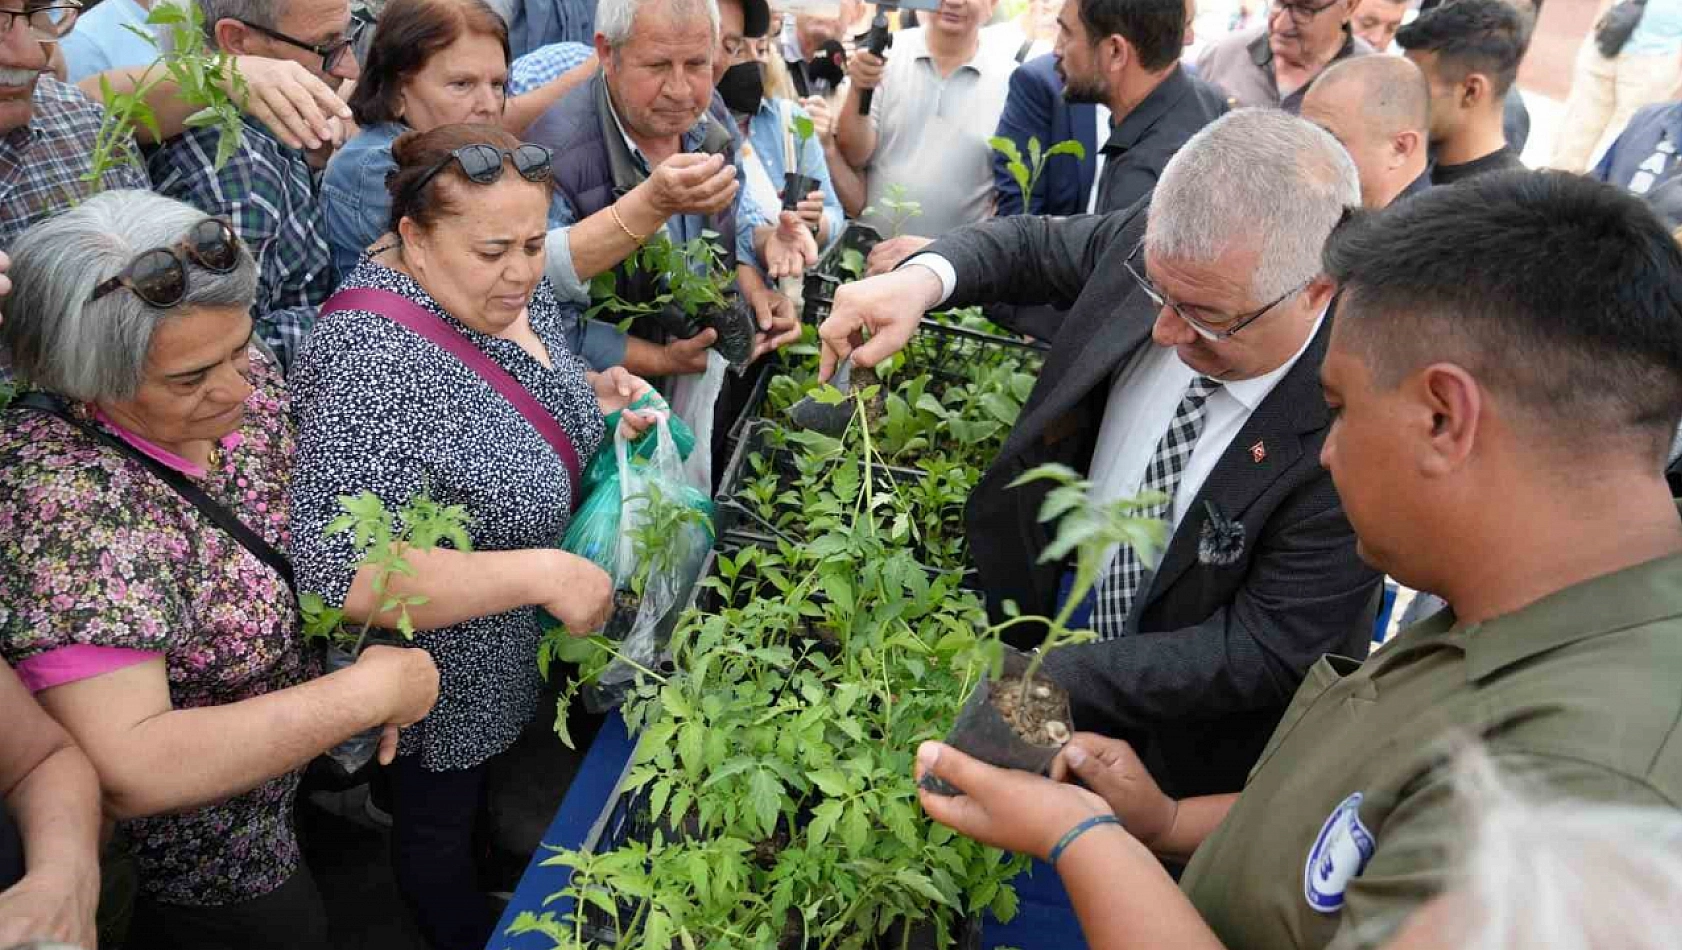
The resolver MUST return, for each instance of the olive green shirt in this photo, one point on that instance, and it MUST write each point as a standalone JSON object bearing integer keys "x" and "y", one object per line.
{"x": 1579, "y": 693}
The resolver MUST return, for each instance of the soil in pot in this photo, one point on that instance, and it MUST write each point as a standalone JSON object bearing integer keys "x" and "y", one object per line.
{"x": 625, "y": 607}
{"x": 736, "y": 328}
{"x": 1001, "y": 726}
{"x": 795, "y": 189}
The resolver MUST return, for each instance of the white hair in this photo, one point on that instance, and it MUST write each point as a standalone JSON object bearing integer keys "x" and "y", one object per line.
{"x": 91, "y": 351}
{"x": 1254, "y": 175}
{"x": 1548, "y": 873}
{"x": 614, "y": 18}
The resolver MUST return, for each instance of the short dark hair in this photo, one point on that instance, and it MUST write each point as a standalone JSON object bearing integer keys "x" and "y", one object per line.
{"x": 417, "y": 153}
{"x": 411, "y": 32}
{"x": 1472, "y": 36}
{"x": 1560, "y": 294}
{"x": 1155, "y": 28}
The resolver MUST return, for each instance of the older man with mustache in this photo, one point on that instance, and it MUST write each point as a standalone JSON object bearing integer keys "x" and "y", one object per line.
{"x": 1273, "y": 65}
{"x": 47, "y": 128}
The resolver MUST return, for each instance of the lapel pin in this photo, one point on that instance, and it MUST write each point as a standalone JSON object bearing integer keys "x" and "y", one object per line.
{"x": 1258, "y": 453}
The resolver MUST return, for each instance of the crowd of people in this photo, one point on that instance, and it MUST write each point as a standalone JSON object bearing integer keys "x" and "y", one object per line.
{"x": 1300, "y": 284}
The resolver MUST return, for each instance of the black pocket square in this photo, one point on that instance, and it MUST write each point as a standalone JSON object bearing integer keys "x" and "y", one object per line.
{"x": 1220, "y": 542}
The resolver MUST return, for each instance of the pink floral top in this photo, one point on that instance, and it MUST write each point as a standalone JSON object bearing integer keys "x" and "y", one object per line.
{"x": 101, "y": 564}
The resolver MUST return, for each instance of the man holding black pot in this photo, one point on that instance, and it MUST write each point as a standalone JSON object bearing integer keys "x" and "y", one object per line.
{"x": 1186, "y": 363}
{"x": 645, "y": 147}
{"x": 1504, "y": 412}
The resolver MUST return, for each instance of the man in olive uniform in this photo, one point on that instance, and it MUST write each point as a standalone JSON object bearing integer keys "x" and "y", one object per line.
{"x": 1504, "y": 412}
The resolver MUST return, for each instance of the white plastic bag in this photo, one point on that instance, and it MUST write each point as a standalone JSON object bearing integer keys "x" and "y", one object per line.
{"x": 694, "y": 399}
{"x": 679, "y": 552}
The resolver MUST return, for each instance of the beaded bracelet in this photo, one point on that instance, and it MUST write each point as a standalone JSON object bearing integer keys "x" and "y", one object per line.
{"x": 1075, "y": 832}
{"x": 614, "y": 210}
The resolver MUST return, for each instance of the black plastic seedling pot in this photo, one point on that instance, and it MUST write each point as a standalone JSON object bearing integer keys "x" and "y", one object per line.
{"x": 983, "y": 732}
{"x": 795, "y": 189}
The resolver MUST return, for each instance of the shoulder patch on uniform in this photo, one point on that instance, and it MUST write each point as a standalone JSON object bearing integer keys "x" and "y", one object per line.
{"x": 1339, "y": 855}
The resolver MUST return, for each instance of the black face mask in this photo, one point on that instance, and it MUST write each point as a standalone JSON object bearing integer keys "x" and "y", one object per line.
{"x": 742, "y": 87}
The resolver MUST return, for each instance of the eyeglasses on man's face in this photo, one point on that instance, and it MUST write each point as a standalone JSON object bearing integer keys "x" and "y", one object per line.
{"x": 1210, "y": 325}
{"x": 1301, "y": 13}
{"x": 46, "y": 23}
{"x": 332, "y": 53}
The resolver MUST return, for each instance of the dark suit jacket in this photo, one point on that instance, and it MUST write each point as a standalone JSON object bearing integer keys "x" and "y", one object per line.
{"x": 1212, "y": 654}
{"x": 1035, "y": 107}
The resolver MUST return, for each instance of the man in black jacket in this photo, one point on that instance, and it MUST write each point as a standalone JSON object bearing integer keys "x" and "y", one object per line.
{"x": 1187, "y": 363}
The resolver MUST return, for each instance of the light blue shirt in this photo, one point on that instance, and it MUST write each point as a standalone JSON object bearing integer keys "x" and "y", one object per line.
{"x": 768, "y": 131}
{"x": 540, "y": 67}
{"x": 102, "y": 40}
{"x": 1658, "y": 34}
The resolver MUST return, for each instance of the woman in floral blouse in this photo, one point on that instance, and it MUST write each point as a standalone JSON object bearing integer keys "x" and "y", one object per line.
{"x": 382, "y": 409}
{"x": 169, "y": 649}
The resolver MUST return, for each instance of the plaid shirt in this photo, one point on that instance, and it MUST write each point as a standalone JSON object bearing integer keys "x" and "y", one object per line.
{"x": 42, "y": 164}
{"x": 268, "y": 192}
{"x": 540, "y": 67}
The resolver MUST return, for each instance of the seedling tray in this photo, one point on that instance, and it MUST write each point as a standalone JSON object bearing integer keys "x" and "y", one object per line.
{"x": 951, "y": 355}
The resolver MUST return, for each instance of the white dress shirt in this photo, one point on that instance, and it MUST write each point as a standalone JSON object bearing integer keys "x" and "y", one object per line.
{"x": 1103, "y": 138}
{"x": 1142, "y": 402}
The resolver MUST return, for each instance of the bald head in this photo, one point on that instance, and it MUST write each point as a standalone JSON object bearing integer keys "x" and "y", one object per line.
{"x": 1378, "y": 107}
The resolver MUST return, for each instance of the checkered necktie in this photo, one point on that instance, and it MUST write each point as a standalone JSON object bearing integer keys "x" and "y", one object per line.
{"x": 1120, "y": 584}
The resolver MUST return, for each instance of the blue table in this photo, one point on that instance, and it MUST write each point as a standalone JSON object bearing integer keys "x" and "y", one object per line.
{"x": 1044, "y": 919}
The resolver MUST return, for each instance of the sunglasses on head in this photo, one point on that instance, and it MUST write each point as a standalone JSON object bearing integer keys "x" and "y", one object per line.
{"x": 159, "y": 276}
{"x": 482, "y": 164}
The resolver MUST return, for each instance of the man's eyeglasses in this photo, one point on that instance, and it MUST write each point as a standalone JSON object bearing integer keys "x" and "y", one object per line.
{"x": 482, "y": 164}
{"x": 1301, "y": 13}
{"x": 159, "y": 276}
{"x": 1213, "y": 327}
{"x": 332, "y": 54}
{"x": 47, "y": 24}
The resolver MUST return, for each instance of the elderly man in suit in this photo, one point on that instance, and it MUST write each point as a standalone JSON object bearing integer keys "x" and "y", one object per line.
{"x": 1188, "y": 364}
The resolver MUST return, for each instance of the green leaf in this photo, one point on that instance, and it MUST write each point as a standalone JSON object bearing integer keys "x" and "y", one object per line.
{"x": 1000, "y": 408}
{"x": 1067, "y": 147}
{"x": 824, "y": 817}
{"x": 855, "y": 829}
{"x": 765, "y": 797}
{"x": 922, "y": 885}
{"x": 1004, "y": 904}
{"x": 830, "y": 782}
{"x": 1005, "y": 147}
{"x": 691, "y": 743}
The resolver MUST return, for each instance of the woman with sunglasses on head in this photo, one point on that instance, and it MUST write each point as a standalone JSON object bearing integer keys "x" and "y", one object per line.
{"x": 442, "y": 366}
{"x": 430, "y": 63}
{"x": 145, "y": 596}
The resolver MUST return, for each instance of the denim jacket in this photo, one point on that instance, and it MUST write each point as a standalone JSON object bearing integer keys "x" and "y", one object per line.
{"x": 354, "y": 200}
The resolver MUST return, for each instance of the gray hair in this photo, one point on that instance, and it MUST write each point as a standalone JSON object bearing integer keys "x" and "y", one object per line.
{"x": 1544, "y": 871}
{"x": 261, "y": 12}
{"x": 94, "y": 351}
{"x": 615, "y": 17}
{"x": 1255, "y": 175}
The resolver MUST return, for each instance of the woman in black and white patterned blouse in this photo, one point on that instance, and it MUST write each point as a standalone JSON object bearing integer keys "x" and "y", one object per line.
{"x": 381, "y": 409}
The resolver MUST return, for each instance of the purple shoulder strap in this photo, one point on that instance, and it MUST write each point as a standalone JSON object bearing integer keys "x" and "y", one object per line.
{"x": 418, "y": 320}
